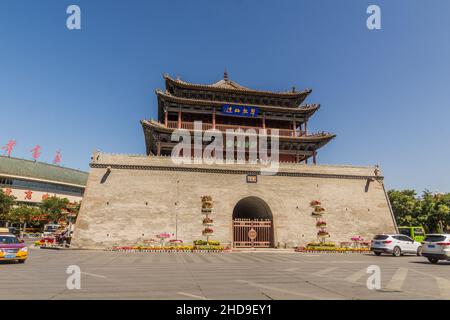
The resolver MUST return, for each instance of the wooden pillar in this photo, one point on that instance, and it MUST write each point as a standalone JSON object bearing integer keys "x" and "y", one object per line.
{"x": 264, "y": 120}
{"x": 179, "y": 119}
{"x": 300, "y": 128}
{"x": 214, "y": 119}
{"x": 294, "y": 127}
{"x": 306, "y": 127}
{"x": 166, "y": 118}
{"x": 158, "y": 148}
{"x": 314, "y": 157}
{"x": 306, "y": 160}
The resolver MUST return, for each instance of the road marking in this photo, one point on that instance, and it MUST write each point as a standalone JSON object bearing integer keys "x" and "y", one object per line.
{"x": 444, "y": 287}
{"x": 397, "y": 280}
{"x": 93, "y": 275}
{"x": 291, "y": 269}
{"x": 323, "y": 271}
{"x": 262, "y": 286}
{"x": 192, "y": 295}
{"x": 356, "y": 276}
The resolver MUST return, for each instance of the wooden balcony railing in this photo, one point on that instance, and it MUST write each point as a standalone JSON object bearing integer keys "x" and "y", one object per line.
{"x": 223, "y": 127}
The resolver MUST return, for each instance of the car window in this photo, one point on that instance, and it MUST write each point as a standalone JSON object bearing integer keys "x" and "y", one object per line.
{"x": 407, "y": 238}
{"x": 8, "y": 240}
{"x": 405, "y": 231}
{"x": 434, "y": 238}
{"x": 418, "y": 231}
{"x": 380, "y": 237}
{"x": 403, "y": 238}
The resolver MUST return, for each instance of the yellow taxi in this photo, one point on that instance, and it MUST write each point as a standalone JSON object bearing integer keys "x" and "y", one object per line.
{"x": 11, "y": 248}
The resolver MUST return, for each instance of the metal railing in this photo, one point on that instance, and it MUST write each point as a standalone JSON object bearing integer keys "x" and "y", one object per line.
{"x": 224, "y": 127}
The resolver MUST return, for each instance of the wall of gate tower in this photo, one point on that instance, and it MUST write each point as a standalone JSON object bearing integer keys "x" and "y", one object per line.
{"x": 143, "y": 196}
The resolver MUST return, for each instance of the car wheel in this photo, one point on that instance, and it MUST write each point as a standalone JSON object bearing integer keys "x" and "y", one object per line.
{"x": 419, "y": 251}
{"x": 397, "y": 252}
{"x": 21, "y": 261}
{"x": 377, "y": 253}
{"x": 433, "y": 260}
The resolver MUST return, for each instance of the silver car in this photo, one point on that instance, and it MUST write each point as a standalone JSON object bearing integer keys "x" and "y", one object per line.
{"x": 436, "y": 247}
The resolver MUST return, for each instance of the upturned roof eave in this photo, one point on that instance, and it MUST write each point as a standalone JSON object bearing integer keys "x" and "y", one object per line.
{"x": 293, "y": 95}
{"x": 304, "y": 109}
{"x": 325, "y": 137}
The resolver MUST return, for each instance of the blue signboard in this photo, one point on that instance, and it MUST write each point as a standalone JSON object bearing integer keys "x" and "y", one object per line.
{"x": 240, "y": 110}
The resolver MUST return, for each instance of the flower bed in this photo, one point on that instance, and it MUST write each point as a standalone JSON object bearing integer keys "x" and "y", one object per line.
{"x": 208, "y": 231}
{"x": 200, "y": 246}
{"x": 323, "y": 233}
{"x": 320, "y": 249}
{"x": 315, "y": 203}
{"x": 321, "y": 244}
{"x": 190, "y": 248}
{"x": 321, "y": 224}
{"x": 208, "y": 221}
{"x": 44, "y": 242}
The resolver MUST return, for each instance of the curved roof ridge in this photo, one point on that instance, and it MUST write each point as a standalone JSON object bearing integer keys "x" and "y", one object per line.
{"x": 232, "y": 85}
{"x": 303, "y": 107}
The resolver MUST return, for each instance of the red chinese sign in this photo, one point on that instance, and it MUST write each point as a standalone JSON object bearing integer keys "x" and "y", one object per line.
{"x": 28, "y": 194}
{"x": 36, "y": 152}
{"x": 8, "y": 191}
{"x": 9, "y": 147}
{"x": 45, "y": 196}
{"x": 57, "y": 159}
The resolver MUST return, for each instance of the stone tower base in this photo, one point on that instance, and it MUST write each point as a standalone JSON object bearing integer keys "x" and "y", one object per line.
{"x": 129, "y": 199}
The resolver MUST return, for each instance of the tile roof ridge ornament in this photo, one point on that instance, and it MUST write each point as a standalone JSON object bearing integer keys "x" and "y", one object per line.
{"x": 225, "y": 75}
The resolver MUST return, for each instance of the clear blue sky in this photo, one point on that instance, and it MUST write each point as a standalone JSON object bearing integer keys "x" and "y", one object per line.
{"x": 386, "y": 94}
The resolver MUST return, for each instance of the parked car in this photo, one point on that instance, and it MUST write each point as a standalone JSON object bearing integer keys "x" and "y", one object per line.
{"x": 11, "y": 248}
{"x": 416, "y": 233}
{"x": 436, "y": 247}
{"x": 15, "y": 231}
{"x": 395, "y": 244}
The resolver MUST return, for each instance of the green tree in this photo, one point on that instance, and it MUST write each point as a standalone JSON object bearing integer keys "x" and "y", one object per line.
{"x": 23, "y": 214}
{"x": 6, "y": 203}
{"x": 430, "y": 210}
{"x": 55, "y": 208}
{"x": 405, "y": 206}
{"x": 437, "y": 211}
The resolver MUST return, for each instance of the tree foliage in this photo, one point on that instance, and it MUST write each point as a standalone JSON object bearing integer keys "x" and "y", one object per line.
{"x": 24, "y": 214}
{"x": 55, "y": 208}
{"x": 6, "y": 203}
{"x": 430, "y": 210}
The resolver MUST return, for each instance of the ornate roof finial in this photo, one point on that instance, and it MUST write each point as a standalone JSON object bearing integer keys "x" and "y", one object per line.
{"x": 225, "y": 75}
{"x": 293, "y": 89}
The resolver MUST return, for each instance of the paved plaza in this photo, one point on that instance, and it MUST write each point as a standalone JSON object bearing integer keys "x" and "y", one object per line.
{"x": 238, "y": 275}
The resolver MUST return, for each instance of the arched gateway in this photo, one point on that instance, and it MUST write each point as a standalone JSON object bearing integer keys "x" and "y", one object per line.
{"x": 252, "y": 224}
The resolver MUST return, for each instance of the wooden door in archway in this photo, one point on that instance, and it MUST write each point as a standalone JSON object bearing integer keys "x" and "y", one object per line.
{"x": 252, "y": 233}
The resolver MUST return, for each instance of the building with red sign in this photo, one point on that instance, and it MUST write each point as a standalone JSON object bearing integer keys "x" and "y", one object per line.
{"x": 31, "y": 181}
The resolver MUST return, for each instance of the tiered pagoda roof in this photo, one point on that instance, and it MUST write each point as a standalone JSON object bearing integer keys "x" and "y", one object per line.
{"x": 227, "y": 85}
{"x": 182, "y": 103}
{"x": 308, "y": 109}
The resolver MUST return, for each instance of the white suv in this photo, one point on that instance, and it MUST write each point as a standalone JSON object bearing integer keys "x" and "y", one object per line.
{"x": 395, "y": 244}
{"x": 436, "y": 247}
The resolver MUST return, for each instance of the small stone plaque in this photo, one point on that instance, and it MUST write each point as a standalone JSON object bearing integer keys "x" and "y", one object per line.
{"x": 252, "y": 178}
